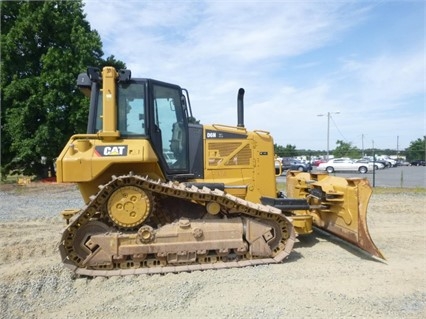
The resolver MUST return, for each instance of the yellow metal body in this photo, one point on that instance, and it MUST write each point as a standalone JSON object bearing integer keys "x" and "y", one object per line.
{"x": 245, "y": 166}
{"x": 243, "y": 162}
{"x": 80, "y": 163}
{"x": 341, "y": 209}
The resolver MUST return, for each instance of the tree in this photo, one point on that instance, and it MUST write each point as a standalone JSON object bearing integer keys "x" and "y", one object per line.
{"x": 345, "y": 149}
{"x": 44, "y": 46}
{"x": 288, "y": 151}
{"x": 111, "y": 61}
{"x": 417, "y": 149}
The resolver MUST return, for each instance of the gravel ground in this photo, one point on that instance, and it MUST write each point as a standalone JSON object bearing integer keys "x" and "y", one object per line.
{"x": 322, "y": 278}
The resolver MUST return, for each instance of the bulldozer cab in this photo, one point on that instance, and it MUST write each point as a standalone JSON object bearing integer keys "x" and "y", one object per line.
{"x": 145, "y": 109}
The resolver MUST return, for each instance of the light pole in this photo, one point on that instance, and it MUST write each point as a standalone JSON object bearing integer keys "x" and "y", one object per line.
{"x": 328, "y": 130}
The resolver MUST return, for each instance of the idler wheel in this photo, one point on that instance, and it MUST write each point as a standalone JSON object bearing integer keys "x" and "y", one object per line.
{"x": 83, "y": 234}
{"x": 129, "y": 206}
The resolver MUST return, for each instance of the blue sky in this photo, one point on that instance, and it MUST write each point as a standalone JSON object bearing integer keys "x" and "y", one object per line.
{"x": 295, "y": 60}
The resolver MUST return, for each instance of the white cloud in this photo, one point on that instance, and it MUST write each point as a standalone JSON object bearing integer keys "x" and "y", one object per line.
{"x": 388, "y": 77}
{"x": 212, "y": 48}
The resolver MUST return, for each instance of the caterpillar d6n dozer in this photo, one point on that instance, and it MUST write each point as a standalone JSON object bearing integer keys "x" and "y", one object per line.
{"x": 164, "y": 193}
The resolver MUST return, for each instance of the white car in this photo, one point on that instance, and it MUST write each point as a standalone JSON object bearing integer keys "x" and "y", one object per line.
{"x": 377, "y": 165}
{"x": 389, "y": 161}
{"x": 345, "y": 165}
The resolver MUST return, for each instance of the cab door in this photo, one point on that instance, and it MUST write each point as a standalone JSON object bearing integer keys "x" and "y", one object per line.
{"x": 170, "y": 128}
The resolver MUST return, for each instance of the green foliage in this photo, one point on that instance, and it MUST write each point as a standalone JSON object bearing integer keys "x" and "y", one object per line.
{"x": 111, "y": 61}
{"x": 417, "y": 149}
{"x": 288, "y": 151}
{"x": 345, "y": 149}
{"x": 44, "y": 46}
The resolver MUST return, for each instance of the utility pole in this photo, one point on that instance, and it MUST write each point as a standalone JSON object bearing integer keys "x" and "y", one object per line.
{"x": 397, "y": 146}
{"x": 328, "y": 130}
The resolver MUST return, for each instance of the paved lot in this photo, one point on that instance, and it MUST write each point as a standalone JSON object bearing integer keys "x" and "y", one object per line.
{"x": 402, "y": 176}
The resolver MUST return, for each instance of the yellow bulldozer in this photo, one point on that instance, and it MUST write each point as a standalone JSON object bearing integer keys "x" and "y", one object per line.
{"x": 164, "y": 193}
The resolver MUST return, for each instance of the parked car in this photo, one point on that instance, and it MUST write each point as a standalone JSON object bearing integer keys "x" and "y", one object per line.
{"x": 297, "y": 165}
{"x": 287, "y": 162}
{"x": 345, "y": 165}
{"x": 384, "y": 162}
{"x": 389, "y": 162}
{"x": 318, "y": 161}
{"x": 418, "y": 163}
{"x": 402, "y": 163}
{"x": 376, "y": 165}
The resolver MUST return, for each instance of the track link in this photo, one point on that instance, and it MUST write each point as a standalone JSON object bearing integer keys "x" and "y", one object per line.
{"x": 233, "y": 206}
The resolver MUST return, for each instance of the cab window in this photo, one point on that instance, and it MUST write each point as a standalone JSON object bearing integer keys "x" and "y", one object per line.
{"x": 169, "y": 120}
{"x": 131, "y": 109}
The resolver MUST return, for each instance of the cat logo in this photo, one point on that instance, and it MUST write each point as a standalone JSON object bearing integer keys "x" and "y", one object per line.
{"x": 111, "y": 150}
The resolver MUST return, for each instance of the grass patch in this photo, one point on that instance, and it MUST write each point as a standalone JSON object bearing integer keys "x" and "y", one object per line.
{"x": 14, "y": 179}
{"x": 281, "y": 186}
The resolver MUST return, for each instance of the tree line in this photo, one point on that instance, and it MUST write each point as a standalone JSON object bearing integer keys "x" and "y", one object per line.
{"x": 44, "y": 46}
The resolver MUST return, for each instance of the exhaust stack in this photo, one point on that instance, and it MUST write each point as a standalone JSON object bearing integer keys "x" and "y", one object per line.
{"x": 240, "y": 101}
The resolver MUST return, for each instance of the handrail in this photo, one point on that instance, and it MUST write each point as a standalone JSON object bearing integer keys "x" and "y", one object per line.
{"x": 84, "y": 136}
{"x": 229, "y": 126}
{"x": 262, "y": 131}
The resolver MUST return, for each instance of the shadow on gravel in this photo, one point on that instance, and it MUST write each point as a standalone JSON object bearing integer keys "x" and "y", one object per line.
{"x": 293, "y": 257}
{"x": 301, "y": 242}
{"x": 308, "y": 241}
{"x": 354, "y": 250}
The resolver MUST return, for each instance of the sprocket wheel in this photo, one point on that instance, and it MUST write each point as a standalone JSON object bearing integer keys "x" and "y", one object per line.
{"x": 129, "y": 206}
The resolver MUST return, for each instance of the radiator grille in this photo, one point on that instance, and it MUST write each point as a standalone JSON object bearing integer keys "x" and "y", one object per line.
{"x": 219, "y": 153}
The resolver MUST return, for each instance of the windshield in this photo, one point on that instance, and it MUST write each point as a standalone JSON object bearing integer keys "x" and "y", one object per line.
{"x": 131, "y": 114}
{"x": 131, "y": 109}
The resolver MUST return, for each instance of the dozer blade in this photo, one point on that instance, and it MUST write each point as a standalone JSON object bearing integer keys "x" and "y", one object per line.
{"x": 337, "y": 205}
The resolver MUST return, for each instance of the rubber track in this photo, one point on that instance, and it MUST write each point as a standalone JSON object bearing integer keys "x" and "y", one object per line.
{"x": 233, "y": 204}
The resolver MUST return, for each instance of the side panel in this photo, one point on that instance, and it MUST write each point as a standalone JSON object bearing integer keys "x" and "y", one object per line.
{"x": 242, "y": 160}
{"x": 265, "y": 179}
{"x": 89, "y": 161}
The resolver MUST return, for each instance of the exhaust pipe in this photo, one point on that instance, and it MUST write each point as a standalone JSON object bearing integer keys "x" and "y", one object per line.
{"x": 240, "y": 101}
